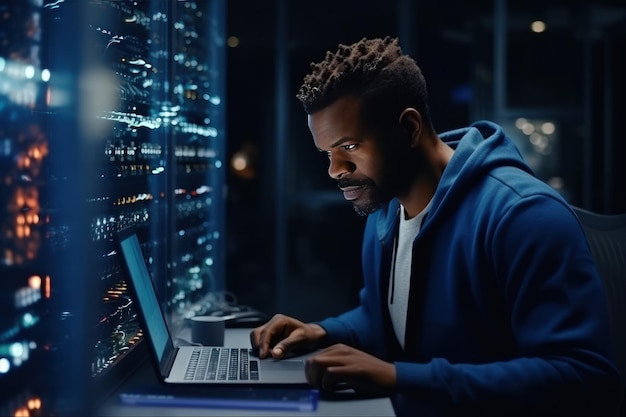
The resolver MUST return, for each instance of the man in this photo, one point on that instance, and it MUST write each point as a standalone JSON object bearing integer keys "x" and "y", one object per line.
{"x": 480, "y": 295}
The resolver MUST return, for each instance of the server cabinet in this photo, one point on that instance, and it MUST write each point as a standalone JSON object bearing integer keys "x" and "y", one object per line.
{"x": 111, "y": 116}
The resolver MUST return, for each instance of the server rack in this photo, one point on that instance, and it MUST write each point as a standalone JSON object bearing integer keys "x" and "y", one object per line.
{"x": 111, "y": 116}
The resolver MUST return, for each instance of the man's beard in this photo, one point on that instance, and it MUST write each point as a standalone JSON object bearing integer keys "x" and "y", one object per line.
{"x": 375, "y": 201}
{"x": 365, "y": 209}
{"x": 376, "y": 198}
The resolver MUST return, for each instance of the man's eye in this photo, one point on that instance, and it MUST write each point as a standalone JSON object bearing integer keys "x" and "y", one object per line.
{"x": 349, "y": 147}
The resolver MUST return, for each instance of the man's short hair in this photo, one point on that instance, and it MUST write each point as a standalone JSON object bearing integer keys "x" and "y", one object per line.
{"x": 374, "y": 70}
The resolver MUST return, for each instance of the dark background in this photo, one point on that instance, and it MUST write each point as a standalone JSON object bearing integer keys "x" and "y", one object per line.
{"x": 293, "y": 242}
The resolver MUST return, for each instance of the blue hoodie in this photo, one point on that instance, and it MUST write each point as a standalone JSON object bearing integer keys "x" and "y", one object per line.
{"x": 507, "y": 314}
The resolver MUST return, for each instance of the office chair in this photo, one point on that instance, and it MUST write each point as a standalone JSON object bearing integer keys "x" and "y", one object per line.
{"x": 606, "y": 235}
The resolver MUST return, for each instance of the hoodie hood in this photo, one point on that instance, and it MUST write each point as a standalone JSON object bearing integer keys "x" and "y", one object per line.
{"x": 480, "y": 149}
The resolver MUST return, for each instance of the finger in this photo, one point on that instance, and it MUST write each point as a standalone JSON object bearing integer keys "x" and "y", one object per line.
{"x": 314, "y": 372}
{"x": 332, "y": 380}
{"x": 261, "y": 338}
{"x": 317, "y": 365}
{"x": 269, "y": 333}
{"x": 255, "y": 337}
{"x": 265, "y": 338}
{"x": 334, "y": 355}
{"x": 278, "y": 352}
{"x": 287, "y": 345}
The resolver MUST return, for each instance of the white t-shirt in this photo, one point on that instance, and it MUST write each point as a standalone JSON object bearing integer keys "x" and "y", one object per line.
{"x": 400, "y": 275}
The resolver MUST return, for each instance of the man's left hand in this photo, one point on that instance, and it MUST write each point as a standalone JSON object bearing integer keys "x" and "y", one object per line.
{"x": 341, "y": 367}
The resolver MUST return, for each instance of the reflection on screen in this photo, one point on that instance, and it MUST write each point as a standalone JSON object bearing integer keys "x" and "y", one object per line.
{"x": 156, "y": 328}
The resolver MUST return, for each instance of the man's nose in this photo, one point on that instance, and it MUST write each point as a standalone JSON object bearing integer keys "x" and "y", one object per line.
{"x": 338, "y": 167}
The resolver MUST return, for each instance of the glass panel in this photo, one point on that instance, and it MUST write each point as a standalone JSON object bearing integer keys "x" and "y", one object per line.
{"x": 110, "y": 118}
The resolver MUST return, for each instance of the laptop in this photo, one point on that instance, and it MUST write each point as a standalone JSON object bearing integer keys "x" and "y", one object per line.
{"x": 196, "y": 364}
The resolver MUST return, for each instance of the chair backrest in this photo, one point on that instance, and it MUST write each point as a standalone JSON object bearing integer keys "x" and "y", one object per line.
{"x": 606, "y": 234}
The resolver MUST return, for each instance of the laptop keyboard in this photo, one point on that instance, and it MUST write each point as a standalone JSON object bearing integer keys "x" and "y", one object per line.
{"x": 221, "y": 364}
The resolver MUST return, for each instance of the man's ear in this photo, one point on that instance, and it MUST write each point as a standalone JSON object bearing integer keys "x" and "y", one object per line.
{"x": 411, "y": 122}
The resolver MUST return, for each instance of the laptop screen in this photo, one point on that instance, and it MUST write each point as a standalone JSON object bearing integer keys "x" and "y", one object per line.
{"x": 156, "y": 328}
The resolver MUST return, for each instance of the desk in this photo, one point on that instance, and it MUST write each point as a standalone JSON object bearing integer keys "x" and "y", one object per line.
{"x": 146, "y": 375}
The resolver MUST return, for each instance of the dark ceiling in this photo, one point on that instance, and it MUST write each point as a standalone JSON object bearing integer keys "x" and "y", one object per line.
{"x": 447, "y": 38}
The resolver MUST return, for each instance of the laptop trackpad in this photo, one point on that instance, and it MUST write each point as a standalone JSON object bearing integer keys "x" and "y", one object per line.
{"x": 286, "y": 371}
{"x": 271, "y": 365}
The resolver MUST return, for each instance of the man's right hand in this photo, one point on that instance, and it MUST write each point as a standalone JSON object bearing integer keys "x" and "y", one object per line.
{"x": 282, "y": 335}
